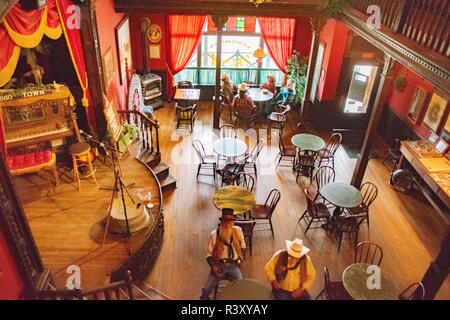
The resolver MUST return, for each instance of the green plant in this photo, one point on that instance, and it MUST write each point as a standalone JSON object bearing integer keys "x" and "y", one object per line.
{"x": 131, "y": 129}
{"x": 331, "y": 8}
{"x": 296, "y": 68}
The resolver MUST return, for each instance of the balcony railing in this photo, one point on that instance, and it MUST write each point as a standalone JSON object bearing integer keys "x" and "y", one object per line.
{"x": 423, "y": 21}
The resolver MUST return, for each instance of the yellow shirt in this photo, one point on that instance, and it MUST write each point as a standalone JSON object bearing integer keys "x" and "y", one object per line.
{"x": 292, "y": 280}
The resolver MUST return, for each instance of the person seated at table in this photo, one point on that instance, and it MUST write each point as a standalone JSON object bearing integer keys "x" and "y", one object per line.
{"x": 286, "y": 93}
{"x": 291, "y": 272}
{"x": 229, "y": 89}
{"x": 270, "y": 84}
{"x": 243, "y": 105}
{"x": 224, "y": 252}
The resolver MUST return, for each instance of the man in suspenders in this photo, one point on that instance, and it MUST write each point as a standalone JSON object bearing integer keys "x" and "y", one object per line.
{"x": 224, "y": 252}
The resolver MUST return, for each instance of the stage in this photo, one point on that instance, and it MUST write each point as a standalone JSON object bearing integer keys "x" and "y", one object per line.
{"x": 68, "y": 225}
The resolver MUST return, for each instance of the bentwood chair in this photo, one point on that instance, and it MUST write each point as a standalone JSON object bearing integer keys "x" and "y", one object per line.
{"x": 305, "y": 162}
{"x": 315, "y": 212}
{"x": 394, "y": 154}
{"x": 278, "y": 118}
{"x": 247, "y": 227}
{"x": 332, "y": 290}
{"x": 207, "y": 161}
{"x": 245, "y": 116}
{"x": 231, "y": 171}
{"x": 265, "y": 211}
{"x": 369, "y": 192}
{"x": 285, "y": 154}
{"x": 305, "y": 127}
{"x": 245, "y": 180}
{"x": 368, "y": 252}
{"x": 186, "y": 114}
{"x": 227, "y": 131}
{"x": 323, "y": 176}
{"x": 226, "y": 106}
{"x": 253, "y": 156}
{"x": 347, "y": 225}
{"x": 415, "y": 291}
{"x": 327, "y": 154}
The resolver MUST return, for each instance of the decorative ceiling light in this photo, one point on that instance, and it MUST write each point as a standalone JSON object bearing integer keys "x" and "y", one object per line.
{"x": 259, "y": 53}
{"x": 258, "y": 2}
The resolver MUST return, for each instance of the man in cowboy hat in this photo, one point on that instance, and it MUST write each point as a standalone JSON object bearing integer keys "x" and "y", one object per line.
{"x": 229, "y": 89}
{"x": 291, "y": 272}
{"x": 243, "y": 105}
{"x": 224, "y": 252}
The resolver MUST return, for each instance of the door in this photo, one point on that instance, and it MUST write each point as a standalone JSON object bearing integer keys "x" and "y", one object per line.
{"x": 361, "y": 86}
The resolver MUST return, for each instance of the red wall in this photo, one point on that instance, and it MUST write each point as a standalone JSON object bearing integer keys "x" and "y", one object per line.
{"x": 400, "y": 101}
{"x": 335, "y": 35}
{"x": 107, "y": 21}
{"x": 11, "y": 283}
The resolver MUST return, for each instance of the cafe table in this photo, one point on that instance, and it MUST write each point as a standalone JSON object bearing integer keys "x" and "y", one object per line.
{"x": 246, "y": 289}
{"x": 229, "y": 147}
{"x": 260, "y": 97}
{"x": 234, "y": 197}
{"x": 306, "y": 141}
{"x": 360, "y": 283}
{"x": 342, "y": 195}
{"x": 188, "y": 95}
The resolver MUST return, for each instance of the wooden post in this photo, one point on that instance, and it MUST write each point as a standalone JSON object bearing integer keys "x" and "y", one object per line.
{"x": 384, "y": 88}
{"x": 219, "y": 21}
{"x": 438, "y": 270}
{"x": 317, "y": 24}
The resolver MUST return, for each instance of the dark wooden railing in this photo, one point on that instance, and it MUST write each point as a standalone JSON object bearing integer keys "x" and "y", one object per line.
{"x": 423, "y": 21}
{"x": 149, "y": 128}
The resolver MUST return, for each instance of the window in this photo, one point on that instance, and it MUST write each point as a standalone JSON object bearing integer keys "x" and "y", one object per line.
{"x": 241, "y": 37}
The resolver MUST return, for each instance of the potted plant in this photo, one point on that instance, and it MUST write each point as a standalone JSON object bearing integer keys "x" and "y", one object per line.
{"x": 130, "y": 133}
{"x": 332, "y": 9}
{"x": 296, "y": 68}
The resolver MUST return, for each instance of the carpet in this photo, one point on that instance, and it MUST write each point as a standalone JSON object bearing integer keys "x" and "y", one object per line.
{"x": 353, "y": 151}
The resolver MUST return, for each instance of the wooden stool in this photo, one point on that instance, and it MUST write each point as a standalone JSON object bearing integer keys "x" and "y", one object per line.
{"x": 79, "y": 150}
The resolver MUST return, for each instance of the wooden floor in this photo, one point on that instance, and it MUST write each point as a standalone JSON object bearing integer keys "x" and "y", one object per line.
{"x": 407, "y": 227}
{"x": 67, "y": 224}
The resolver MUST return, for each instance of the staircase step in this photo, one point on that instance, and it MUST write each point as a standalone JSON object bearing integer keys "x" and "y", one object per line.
{"x": 144, "y": 291}
{"x": 161, "y": 170}
{"x": 168, "y": 183}
{"x": 151, "y": 159}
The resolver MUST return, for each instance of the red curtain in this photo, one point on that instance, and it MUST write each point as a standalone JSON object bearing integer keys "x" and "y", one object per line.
{"x": 184, "y": 36}
{"x": 278, "y": 34}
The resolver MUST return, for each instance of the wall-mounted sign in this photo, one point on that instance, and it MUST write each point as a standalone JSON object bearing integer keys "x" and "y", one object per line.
{"x": 155, "y": 52}
{"x": 154, "y": 33}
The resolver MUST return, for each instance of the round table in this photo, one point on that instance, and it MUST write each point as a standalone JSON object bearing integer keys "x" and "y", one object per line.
{"x": 357, "y": 283}
{"x": 342, "y": 195}
{"x": 258, "y": 95}
{"x": 246, "y": 289}
{"x": 229, "y": 147}
{"x": 234, "y": 197}
{"x": 307, "y": 141}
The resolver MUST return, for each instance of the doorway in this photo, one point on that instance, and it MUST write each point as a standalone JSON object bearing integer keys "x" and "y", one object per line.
{"x": 361, "y": 85}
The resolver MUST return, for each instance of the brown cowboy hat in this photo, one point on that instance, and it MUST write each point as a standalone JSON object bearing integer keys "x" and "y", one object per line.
{"x": 227, "y": 215}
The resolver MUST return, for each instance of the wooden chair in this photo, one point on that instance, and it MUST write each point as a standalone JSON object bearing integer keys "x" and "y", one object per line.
{"x": 278, "y": 118}
{"x": 415, "y": 291}
{"x": 207, "y": 161}
{"x": 332, "y": 290}
{"x": 285, "y": 153}
{"x": 315, "y": 212}
{"x": 245, "y": 116}
{"x": 305, "y": 127}
{"x": 369, "y": 192}
{"x": 327, "y": 153}
{"x": 368, "y": 252}
{"x": 323, "y": 176}
{"x": 245, "y": 180}
{"x": 253, "y": 156}
{"x": 231, "y": 171}
{"x": 186, "y": 114}
{"x": 265, "y": 211}
{"x": 304, "y": 164}
{"x": 227, "y": 131}
{"x": 394, "y": 154}
{"x": 349, "y": 225}
{"x": 226, "y": 106}
{"x": 247, "y": 227}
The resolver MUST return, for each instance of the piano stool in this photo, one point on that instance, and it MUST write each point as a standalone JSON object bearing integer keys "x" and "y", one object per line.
{"x": 33, "y": 162}
{"x": 79, "y": 150}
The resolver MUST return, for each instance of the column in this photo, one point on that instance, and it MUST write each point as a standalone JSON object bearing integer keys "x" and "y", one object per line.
{"x": 317, "y": 24}
{"x": 219, "y": 21}
{"x": 384, "y": 89}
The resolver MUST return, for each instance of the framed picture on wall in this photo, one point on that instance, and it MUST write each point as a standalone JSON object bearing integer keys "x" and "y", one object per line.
{"x": 108, "y": 66}
{"x": 435, "y": 111}
{"x": 417, "y": 104}
{"x": 123, "y": 44}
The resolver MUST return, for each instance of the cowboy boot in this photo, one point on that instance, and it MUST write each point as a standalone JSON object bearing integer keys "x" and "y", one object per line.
{"x": 204, "y": 295}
